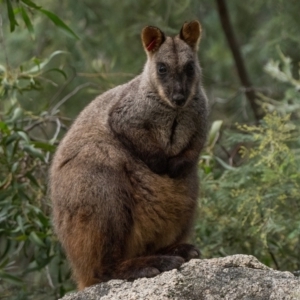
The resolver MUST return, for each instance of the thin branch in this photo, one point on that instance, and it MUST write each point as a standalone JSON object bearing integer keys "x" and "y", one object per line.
{"x": 42, "y": 121}
{"x": 66, "y": 98}
{"x": 274, "y": 259}
{"x": 239, "y": 62}
{"x": 105, "y": 74}
{"x": 61, "y": 89}
{"x": 57, "y": 131}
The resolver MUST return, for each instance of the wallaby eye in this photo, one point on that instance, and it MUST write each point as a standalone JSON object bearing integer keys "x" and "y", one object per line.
{"x": 190, "y": 69}
{"x": 161, "y": 68}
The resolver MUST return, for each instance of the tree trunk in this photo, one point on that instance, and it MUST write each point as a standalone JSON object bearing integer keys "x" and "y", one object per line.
{"x": 236, "y": 53}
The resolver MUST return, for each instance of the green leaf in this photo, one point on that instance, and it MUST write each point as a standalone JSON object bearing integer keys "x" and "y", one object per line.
{"x": 40, "y": 65}
{"x": 33, "y": 152}
{"x": 12, "y": 138}
{"x": 17, "y": 114}
{"x": 10, "y": 278}
{"x": 14, "y": 167}
{"x": 27, "y": 22}
{"x": 4, "y": 127}
{"x": 44, "y": 146}
{"x": 35, "y": 239}
{"x": 20, "y": 223}
{"x": 34, "y": 208}
{"x": 43, "y": 219}
{"x": 11, "y": 15}
{"x": 224, "y": 164}
{"x": 214, "y": 133}
{"x": 38, "y": 264}
{"x": 59, "y": 71}
{"x": 59, "y": 23}
{"x": 24, "y": 136}
{"x": 4, "y": 252}
{"x": 22, "y": 237}
{"x": 32, "y": 179}
{"x": 31, "y": 4}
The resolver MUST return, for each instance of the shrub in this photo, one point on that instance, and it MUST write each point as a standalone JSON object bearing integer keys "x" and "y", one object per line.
{"x": 254, "y": 207}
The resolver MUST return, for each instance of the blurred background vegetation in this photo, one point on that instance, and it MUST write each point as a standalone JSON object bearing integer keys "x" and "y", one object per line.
{"x": 56, "y": 56}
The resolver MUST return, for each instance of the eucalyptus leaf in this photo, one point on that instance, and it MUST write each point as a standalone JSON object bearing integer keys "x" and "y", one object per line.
{"x": 27, "y": 22}
{"x": 24, "y": 136}
{"x": 214, "y": 133}
{"x": 31, "y": 4}
{"x": 42, "y": 64}
{"x": 44, "y": 146}
{"x": 32, "y": 179}
{"x": 10, "y": 278}
{"x": 33, "y": 152}
{"x": 11, "y": 15}
{"x": 17, "y": 114}
{"x": 224, "y": 164}
{"x": 59, "y": 23}
{"x": 36, "y": 239}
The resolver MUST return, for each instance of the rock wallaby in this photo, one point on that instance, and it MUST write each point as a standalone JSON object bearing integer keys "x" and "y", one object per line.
{"x": 123, "y": 181}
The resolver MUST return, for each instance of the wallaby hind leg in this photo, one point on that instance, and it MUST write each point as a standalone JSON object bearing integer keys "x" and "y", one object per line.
{"x": 82, "y": 243}
{"x": 148, "y": 266}
{"x": 95, "y": 223}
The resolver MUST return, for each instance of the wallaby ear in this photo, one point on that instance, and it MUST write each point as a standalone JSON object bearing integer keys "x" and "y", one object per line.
{"x": 191, "y": 33}
{"x": 152, "y": 38}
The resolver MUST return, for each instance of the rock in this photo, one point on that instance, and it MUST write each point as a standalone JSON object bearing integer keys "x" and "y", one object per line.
{"x": 228, "y": 278}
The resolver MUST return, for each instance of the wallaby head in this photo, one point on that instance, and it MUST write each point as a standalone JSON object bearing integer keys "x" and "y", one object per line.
{"x": 172, "y": 66}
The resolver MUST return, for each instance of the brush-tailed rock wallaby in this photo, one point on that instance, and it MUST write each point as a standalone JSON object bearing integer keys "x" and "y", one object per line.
{"x": 123, "y": 181}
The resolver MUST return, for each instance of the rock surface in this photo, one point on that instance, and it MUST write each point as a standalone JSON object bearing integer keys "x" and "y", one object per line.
{"x": 228, "y": 278}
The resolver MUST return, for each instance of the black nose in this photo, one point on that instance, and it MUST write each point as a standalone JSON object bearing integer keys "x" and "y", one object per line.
{"x": 178, "y": 99}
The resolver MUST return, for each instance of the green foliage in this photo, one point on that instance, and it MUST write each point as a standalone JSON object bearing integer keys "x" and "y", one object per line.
{"x": 283, "y": 71}
{"x": 254, "y": 208}
{"x": 29, "y": 251}
{"x": 27, "y": 243}
{"x": 27, "y": 6}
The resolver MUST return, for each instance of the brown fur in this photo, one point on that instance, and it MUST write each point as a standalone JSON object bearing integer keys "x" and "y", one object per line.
{"x": 191, "y": 32}
{"x": 124, "y": 181}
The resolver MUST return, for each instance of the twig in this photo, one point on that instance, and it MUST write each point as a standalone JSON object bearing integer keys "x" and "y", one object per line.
{"x": 61, "y": 89}
{"x": 66, "y": 98}
{"x": 273, "y": 258}
{"x": 105, "y": 74}
{"x": 234, "y": 47}
{"x": 58, "y": 123}
{"x": 54, "y": 138}
{"x": 37, "y": 123}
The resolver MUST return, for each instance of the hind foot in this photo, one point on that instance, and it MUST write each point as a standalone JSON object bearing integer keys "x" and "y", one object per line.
{"x": 186, "y": 251}
{"x": 148, "y": 266}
